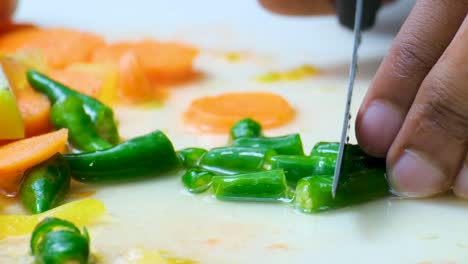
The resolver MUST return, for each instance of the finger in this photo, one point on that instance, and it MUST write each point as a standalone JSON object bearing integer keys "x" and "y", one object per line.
{"x": 7, "y": 7}
{"x": 460, "y": 186}
{"x": 419, "y": 44}
{"x": 431, "y": 146}
{"x": 299, "y": 7}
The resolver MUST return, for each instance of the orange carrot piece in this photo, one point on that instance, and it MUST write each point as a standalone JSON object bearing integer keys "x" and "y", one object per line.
{"x": 85, "y": 83}
{"x": 20, "y": 155}
{"x": 217, "y": 114}
{"x": 13, "y": 40}
{"x": 35, "y": 110}
{"x": 63, "y": 47}
{"x": 134, "y": 85}
{"x": 163, "y": 62}
{"x": 12, "y": 26}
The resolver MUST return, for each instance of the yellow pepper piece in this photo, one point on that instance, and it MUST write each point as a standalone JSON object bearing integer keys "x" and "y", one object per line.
{"x": 16, "y": 65}
{"x": 294, "y": 74}
{"x": 11, "y": 121}
{"x": 108, "y": 75}
{"x": 81, "y": 213}
{"x": 140, "y": 255}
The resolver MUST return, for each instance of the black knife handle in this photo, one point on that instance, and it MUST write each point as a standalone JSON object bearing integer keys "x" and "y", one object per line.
{"x": 346, "y": 12}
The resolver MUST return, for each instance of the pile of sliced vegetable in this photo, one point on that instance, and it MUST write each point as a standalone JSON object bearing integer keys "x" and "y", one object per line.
{"x": 71, "y": 134}
{"x": 275, "y": 169}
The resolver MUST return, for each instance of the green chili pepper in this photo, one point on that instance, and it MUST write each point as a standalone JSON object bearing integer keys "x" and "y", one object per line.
{"x": 246, "y": 128}
{"x": 69, "y": 113}
{"x": 56, "y": 241}
{"x": 295, "y": 167}
{"x": 314, "y": 193}
{"x": 45, "y": 185}
{"x": 197, "y": 180}
{"x": 287, "y": 145}
{"x": 101, "y": 115}
{"x": 331, "y": 148}
{"x": 191, "y": 156}
{"x": 265, "y": 186}
{"x": 354, "y": 159}
{"x": 235, "y": 160}
{"x": 143, "y": 156}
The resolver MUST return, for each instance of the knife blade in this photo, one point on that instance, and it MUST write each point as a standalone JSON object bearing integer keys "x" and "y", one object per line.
{"x": 352, "y": 76}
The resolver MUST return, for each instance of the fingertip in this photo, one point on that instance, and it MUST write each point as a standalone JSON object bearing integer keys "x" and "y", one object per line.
{"x": 414, "y": 176}
{"x": 377, "y": 126}
{"x": 460, "y": 187}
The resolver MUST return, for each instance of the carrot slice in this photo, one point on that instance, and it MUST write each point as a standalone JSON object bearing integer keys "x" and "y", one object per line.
{"x": 35, "y": 110}
{"x": 163, "y": 62}
{"x": 85, "y": 83}
{"x": 12, "y": 26}
{"x": 20, "y": 155}
{"x": 63, "y": 47}
{"x": 134, "y": 85}
{"x": 13, "y": 40}
{"x": 217, "y": 114}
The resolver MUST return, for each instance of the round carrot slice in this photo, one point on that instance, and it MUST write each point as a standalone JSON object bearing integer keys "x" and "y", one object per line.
{"x": 217, "y": 114}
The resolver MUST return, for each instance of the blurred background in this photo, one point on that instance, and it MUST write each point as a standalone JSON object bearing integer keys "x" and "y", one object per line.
{"x": 241, "y": 24}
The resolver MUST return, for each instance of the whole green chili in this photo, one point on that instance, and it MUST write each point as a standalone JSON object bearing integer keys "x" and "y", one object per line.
{"x": 144, "y": 156}
{"x": 44, "y": 186}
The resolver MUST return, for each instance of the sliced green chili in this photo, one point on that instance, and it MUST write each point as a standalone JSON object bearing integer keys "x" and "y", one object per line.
{"x": 287, "y": 145}
{"x": 190, "y": 157}
{"x": 246, "y": 127}
{"x": 265, "y": 186}
{"x": 235, "y": 160}
{"x": 295, "y": 167}
{"x": 314, "y": 193}
{"x": 197, "y": 180}
{"x": 56, "y": 241}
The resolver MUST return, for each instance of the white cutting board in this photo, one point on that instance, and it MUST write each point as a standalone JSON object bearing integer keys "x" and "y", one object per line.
{"x": 161, "y": 215}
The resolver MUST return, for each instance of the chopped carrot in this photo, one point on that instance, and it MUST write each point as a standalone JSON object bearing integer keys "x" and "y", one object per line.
{"x": 12, "y": 26}
{"x": 20, "y": 155}
{"x": 217, "y": 114}
{"x": 163, "y": 62}
{"x": 106, "y": 75}
{"x": 13, "y": 40}
{"x": 85, "y": 83}
{"x": 35, "y": 110}
{"x": 134, "y": 85}
{"x": 15, "y": 67}
{"x": 65, "y": 46}
{"x": 60, "y": 46}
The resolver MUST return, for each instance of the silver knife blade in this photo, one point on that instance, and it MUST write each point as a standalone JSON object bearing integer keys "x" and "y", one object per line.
{"x": 352, "y": 77}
